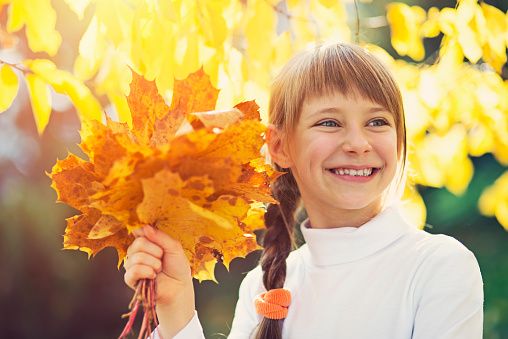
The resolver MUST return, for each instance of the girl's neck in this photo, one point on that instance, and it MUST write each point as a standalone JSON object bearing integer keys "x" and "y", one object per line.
{"x": 342, "y": 217}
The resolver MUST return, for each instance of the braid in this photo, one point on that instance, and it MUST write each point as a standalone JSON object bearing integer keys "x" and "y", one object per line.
{"x": 277, "y": 240}
{"x": 278, "y": 243}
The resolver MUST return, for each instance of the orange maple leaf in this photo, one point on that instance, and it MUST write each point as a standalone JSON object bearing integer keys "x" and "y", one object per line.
{"x": 194, "y": 173}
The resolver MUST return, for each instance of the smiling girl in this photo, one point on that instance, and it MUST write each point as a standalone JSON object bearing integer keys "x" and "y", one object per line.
{"x": 336, "y": 126}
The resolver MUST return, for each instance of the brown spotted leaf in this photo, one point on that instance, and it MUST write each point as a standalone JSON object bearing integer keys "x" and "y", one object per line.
{"x": 195, "y": 173}
{"x": 250, "y": 110}
{"x": 240, "y": 142}
{"x": 166, "y": 127}
{"x": 78, "y": 229}
{"x": 145, "y": 104}
{"x": 71, "y": 178}
{"x": 101, "y": 145}
{"x": 194, "y": 93}
{"x": 219, "y": 119}
{"x": 202, "y": 230}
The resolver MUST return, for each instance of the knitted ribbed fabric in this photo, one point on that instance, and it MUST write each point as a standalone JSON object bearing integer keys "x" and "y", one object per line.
{"x": 274, "y": 303}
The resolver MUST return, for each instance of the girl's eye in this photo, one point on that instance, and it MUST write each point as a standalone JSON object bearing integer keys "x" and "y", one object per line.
{"x": 328, "y": 123}
{"x": 378, "y": 122}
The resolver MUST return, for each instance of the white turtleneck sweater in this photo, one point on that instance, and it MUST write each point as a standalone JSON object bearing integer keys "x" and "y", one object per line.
{"x": 383, "y": 280}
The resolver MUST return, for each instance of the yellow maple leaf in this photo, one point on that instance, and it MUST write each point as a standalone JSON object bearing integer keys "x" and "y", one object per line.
{"x": 194, "y": 93}
{"x": 145, "y": 104}
{"x": 196, "y": 174}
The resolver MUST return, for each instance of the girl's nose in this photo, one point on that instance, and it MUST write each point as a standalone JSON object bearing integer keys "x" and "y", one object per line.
{"x": 356, "y": 143}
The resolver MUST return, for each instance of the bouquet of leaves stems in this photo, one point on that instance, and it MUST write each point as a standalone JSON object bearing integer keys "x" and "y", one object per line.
{"x": 192, "y": 172}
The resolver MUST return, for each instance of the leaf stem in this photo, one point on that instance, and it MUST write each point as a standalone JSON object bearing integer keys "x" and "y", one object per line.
{"x": 143, "y": 296}
{"x": 16, "y": 66}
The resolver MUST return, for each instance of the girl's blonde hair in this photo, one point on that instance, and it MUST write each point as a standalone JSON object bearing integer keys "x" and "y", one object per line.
{"x": 329, "y": 68}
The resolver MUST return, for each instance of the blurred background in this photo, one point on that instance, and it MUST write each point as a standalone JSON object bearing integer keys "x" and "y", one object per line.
{"x": 46, "y": 292}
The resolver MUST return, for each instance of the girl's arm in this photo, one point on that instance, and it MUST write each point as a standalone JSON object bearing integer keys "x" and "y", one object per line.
{"x": 154, "y": 254}
{"x": 449, "y": 295}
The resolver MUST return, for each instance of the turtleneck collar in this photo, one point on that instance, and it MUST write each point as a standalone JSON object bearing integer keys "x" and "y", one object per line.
{"x": 343, "y": 245}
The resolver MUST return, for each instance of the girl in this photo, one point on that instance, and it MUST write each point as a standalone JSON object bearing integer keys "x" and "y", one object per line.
{"x": 336, "y": 126}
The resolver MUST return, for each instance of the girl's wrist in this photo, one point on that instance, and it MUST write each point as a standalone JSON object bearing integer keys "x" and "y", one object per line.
{"x": 173, "y": 317}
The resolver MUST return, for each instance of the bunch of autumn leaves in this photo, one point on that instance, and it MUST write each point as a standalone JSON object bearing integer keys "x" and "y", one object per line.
{"x": 196, "y": 174}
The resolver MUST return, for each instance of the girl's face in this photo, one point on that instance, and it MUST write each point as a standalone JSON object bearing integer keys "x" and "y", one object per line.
{"x": 343, "y": 155}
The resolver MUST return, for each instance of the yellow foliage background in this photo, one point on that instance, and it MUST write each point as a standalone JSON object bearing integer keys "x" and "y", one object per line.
{"x": 455, "y": 108}
{"x": 456, "y": 98}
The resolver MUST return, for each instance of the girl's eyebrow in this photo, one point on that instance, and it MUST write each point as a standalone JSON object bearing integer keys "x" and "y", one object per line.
{"x": 374, "y": 109}
{"x": 379, "y": 109}
{"x": 325, "y": 110}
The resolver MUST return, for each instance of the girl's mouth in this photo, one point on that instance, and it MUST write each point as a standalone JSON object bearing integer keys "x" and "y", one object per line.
{"x": 366, "y": 172}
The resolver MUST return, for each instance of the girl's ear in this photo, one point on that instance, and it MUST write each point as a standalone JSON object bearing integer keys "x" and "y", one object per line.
{"x": 276, "y": 147}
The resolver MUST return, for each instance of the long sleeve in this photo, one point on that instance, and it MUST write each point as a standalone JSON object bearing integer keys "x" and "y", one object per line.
{"x": 192, "y": 330}
{"x": 449, "y": 295}
{"x": 246, "y": 319}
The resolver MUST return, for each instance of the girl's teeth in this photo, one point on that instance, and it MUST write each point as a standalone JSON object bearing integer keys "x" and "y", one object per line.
{"x": 365, "y": 172}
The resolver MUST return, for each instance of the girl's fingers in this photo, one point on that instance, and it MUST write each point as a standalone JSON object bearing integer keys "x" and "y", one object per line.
{"x": 167, "y": 243}
{"x": 148, "y": 234}
{"x": 142, "y": 258}
{"x": 138, "y": 232}
{"x": 138, "y": 272}
{"x": 155, "y": 254}
{"x": 142, "y": 244}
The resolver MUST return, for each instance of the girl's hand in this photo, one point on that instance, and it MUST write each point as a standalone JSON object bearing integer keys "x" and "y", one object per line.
{"x": 155, "y": 255}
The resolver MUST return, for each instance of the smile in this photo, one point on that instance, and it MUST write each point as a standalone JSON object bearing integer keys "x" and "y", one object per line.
{"x": 352, "y": 172}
